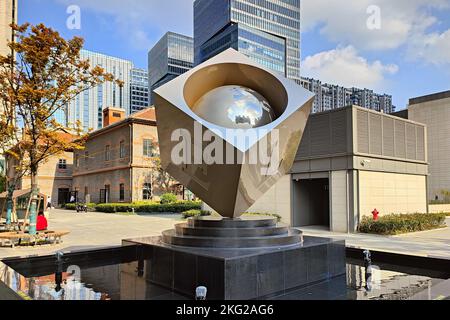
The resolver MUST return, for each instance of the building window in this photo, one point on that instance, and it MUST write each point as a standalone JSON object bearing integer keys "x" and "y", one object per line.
{"x": 122, "y": 149}
{"x": 77, "y": 160}
{"x": 147, "y": 191}
{"x": 86, "y": 158}
{"x": 107, "y": 153}
{"x": 107, "y": 193}
{"x": 148, "y": 148}
{"x": 62, "y": 164}
{"x": 122, "y": 192}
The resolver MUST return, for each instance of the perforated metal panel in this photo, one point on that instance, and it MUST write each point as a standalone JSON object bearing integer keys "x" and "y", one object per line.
{"x": 363, "y": 131}
{"x": 411, "y": 144}
{"x": 400, "y": 136}
{"x": 376, "y": 134}
{"x": 388, "y": 137}
{"x": 421, "y": 143}
{"x": 339, "y": 132}
{"x": 320, "y": 134}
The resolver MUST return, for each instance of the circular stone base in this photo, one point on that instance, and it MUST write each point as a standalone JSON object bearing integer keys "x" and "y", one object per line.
{"x": 248, "y": 232}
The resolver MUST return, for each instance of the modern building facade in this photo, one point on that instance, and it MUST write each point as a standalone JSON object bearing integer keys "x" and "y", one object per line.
{"x": 434, "y": 111}
{"x": 330, "y": 97}
{"x": 116, "y": 164}
{"x": 267, "y": 31}
{"x": 172, "y": 55}
{"x": 139, "y": 93}
{"x": 350, "y": 162}
{"x": 88, "y": 106}
{"x": 8, "y": 15}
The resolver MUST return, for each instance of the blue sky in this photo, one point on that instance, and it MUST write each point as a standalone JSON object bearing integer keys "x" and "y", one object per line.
{"x": 404, "y": 51}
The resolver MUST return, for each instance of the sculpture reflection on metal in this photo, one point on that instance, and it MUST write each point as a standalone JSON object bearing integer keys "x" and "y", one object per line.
{"x": 231, "y": 93}
{"x": 234, "y": 107}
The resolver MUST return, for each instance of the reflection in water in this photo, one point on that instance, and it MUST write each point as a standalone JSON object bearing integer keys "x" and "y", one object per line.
{"x": 383, "y": 284}
{"x": 57, "y": 286}
{"x": 234, "y": 107}
{"x": 130, "y": 281}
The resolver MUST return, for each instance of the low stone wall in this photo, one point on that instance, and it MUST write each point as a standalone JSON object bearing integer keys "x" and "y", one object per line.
{"x": 438, "y": 208}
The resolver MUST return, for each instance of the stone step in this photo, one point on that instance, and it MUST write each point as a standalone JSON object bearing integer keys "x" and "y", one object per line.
{"x": 247, "y": 222}
{"x": 293, "y": 237}
{"x": 184, "y": 229}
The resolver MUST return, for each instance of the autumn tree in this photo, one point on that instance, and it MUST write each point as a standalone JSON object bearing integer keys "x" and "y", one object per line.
{"x": 43, "y": 75}
{"x": 161, "y": 178}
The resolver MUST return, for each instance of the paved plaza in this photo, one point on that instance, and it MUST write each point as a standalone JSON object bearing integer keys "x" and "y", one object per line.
{"x": 99, "y": 230}
{"x": 95, "y": 230}
{"x": 434, "y": 243}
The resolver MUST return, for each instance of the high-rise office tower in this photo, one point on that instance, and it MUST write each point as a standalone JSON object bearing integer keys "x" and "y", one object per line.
{"x": 8, "y": 15}
{"x": 267, "y": 31}
{"x": 171, "y": 56}
{"x": 139, "y": 93}
{"x": 88, "y": 106}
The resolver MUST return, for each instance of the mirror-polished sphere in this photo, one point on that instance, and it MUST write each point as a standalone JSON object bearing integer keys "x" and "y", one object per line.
{"x": 234, "y": 107}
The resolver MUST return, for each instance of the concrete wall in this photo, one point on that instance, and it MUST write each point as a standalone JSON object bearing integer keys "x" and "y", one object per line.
{"x": 391, "y": 193}
{"x": 436, "y": 115}
{"x": 339, "y": 201}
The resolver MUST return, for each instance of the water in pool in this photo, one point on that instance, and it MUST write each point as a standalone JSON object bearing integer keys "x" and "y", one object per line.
{"x": 116, "y": 275}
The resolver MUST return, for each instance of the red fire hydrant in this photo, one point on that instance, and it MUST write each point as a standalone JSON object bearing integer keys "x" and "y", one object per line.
{"x": 375, "y": 214}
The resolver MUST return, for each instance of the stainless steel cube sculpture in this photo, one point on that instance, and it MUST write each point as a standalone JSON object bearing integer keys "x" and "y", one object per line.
{"x": 231, "y": 93}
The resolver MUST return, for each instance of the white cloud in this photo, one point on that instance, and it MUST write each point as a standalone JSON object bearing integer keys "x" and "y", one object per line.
{"x": 345, "y": 22}
{"x": 136, "y": 21}
{"x": 343, "y": 66}
{"x": 432, "y": 48}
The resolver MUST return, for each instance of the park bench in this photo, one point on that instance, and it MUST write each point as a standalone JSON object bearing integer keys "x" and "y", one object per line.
{"x": 12, "y": 238}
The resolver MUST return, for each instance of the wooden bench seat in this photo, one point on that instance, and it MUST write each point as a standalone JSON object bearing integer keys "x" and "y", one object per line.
{"x": 11, "y": 238}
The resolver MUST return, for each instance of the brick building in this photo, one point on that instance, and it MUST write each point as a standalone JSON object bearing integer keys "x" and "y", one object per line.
{"x": 116, "y": 164}
{"x": 54, "y": 176}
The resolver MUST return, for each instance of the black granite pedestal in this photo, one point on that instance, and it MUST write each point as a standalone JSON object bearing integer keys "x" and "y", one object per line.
{"x": 265, "y": 270}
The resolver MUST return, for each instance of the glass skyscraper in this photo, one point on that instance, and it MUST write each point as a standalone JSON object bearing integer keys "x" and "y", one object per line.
{"x": 88, "y": 106}
{"x": 268, "y": 31}
{"x": 139, "y": 90}
{"x": 171, "y": 56}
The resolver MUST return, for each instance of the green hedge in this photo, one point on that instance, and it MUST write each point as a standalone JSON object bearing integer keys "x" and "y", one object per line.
{"x": 264, "y": 214}
{"x": 177, "y": 207}
{"x": 195, "y": 213}
{"x": 73, "y": 206}
{"x": 402, "y": 223}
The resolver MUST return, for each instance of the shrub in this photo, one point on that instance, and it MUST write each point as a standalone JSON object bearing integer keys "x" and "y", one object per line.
{"x": 195, "y": 213}
{"x": 73, "y": 206}
{"x": 402, "y": 223}
{"x": 151, "y": 207}
{"x": 168, "y": 198}
{"x": 274, "y": 215}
